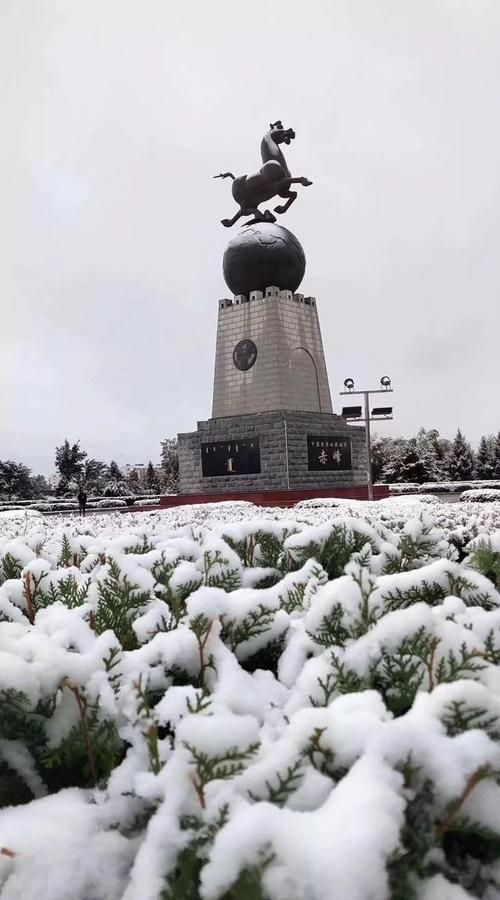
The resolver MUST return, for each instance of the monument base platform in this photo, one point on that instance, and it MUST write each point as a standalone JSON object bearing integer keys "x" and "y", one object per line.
{"x": 278, "y": 450}
{"x": 269, "y": 498}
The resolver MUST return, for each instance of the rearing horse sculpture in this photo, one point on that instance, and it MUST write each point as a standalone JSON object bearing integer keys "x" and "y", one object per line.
{"x": 273, "y": 180}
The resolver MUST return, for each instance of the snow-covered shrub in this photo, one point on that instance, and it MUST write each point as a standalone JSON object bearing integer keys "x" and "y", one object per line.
{"x": 56, "y": 504}
{"x": 405, "y": 488}
{"x": 484, "y": 495}
{"x": 111, "y": 503}
{"x": 485, "y": 556}
{"x": 16, "y": 504}
{"x": 227, "y": 703}
{"x": 438, "y": 487}
{"x": 15, "y": 522}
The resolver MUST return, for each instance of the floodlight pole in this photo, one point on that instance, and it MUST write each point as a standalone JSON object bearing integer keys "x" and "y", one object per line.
{"x": 367, "y": 420}
{"x": 369, "y": 478}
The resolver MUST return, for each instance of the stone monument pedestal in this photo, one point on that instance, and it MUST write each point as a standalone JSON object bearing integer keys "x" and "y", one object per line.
{"x": 275, "y": 450}
{"x": 272, "y": 426}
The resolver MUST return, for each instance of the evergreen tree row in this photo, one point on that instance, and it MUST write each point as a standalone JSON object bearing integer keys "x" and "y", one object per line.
{"x": 425, "y": 457}
{"x": 77, "y": 469}
{"x": 429, "y": 457}
{"x": 17, "y": 482}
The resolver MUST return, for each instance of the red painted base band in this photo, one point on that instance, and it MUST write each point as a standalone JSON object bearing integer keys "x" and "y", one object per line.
{"x": 276, "y": 498}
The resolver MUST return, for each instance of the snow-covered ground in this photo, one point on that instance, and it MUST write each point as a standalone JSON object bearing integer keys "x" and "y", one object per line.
{"x": 461, "y": 521}
{"x": 226, "y": 701}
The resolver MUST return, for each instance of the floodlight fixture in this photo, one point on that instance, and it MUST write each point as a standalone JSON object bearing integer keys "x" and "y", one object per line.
{"x": 351, "y": 412}
{"x": 378, "y": 414}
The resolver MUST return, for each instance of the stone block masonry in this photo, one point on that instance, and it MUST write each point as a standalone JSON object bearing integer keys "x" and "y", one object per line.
{"x": 289, "y": 371}
{"x": 282, "y": 436}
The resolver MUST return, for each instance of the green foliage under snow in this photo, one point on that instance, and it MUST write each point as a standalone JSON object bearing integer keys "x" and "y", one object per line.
{"x": 255, "y": 709}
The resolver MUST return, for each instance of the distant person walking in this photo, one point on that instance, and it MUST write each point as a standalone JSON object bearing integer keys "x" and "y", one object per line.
{"x": 82, "y": 500}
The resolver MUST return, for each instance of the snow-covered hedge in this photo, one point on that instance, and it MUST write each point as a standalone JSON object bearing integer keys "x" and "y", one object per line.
{"x": 247, "y": 707}
{"x": 55, "y": 504}
{"x": 10, "y": 504}
{"x": 19, "y": 521}
{"x": 436, "y": 487}
{"x": 58, "y": 504}
{"x": 486, "y": 495}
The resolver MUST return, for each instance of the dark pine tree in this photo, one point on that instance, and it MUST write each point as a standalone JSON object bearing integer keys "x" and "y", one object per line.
{"x": 435, "y": 451}
{"x": 485, "y": 458}
{"x": 114, "y": 471}
{"x": 170, "y": 465}
{"x": 412, "y": 461}
{"x": 393, "y": 470}
{"x": 461, "y": 459}
{"x": 93, "y": 475}
{"x": 496, "y": 456}
{"x": 40, "y": 486}
{"x": 134, "y": 482}
{"x": 115, "y": 484}
{"x": 378, "y": 459}
{"x": 69, "y": 464}
{"x": 15, "y": 481}
{"x": 442, "y": 449}
{"x": 415, "y": 462}
{"x": 152, "y": 480}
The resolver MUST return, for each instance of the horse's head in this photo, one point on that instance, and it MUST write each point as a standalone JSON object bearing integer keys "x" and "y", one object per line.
{"x": 281, "y": 135}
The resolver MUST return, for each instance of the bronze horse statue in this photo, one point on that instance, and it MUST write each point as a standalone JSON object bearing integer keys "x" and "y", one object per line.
{"x": 273, "y": 180}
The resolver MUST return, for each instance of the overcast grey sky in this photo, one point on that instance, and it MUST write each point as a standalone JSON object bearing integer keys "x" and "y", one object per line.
{"x": 114, "y": 116}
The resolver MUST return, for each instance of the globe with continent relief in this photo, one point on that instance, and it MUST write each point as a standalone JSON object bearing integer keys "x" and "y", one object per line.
{"x": 263, "y": 255}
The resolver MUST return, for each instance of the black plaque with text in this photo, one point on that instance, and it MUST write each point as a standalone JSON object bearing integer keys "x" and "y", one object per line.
{"x": 327, "y": 453}
{"x": 238, "y": 457}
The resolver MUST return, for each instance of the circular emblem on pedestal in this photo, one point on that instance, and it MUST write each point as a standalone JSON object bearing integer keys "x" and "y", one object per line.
{"x": 244, "y": 355}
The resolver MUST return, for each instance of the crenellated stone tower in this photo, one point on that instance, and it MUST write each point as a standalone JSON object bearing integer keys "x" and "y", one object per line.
{"x": 289, "y": 370}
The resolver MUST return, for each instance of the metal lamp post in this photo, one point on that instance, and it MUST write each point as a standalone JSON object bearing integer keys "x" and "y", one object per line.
{"x": 380, "y": 413}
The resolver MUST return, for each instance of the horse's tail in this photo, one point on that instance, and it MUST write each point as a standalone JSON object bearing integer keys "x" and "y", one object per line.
{"x": 225, "y": 175}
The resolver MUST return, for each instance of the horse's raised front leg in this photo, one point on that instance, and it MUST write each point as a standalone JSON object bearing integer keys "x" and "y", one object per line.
{"x": 303, "y": 181}
{"x": 283, "y": 190}
{"x": 292, "y": 195}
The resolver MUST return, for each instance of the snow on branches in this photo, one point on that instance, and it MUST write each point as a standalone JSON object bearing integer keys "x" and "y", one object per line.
{"x": 216, "y": 704}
